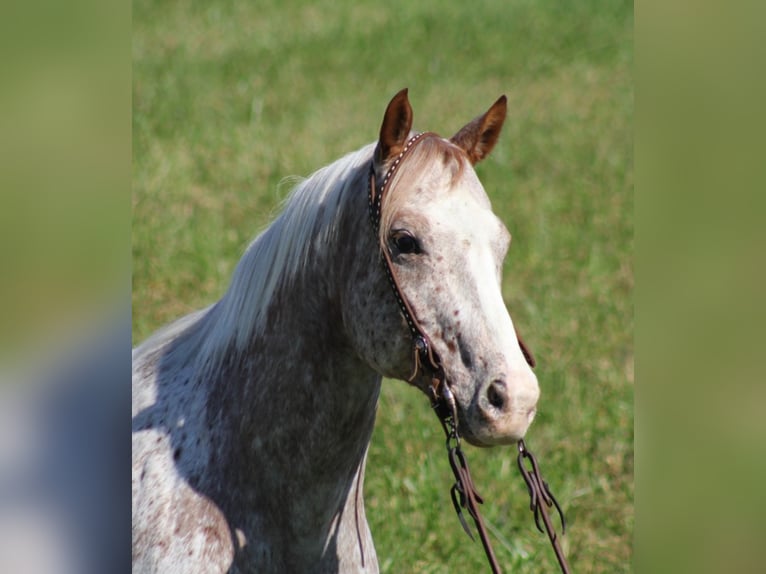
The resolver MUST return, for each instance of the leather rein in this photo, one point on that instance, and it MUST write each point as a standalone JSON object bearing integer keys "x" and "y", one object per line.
{"x": 427, "y": 363}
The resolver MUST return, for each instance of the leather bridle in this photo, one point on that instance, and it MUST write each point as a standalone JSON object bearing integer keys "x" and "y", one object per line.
{"x": 426, "y": 363}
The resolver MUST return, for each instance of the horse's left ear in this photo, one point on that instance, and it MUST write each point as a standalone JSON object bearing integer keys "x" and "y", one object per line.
{"x": 478, "y": 137}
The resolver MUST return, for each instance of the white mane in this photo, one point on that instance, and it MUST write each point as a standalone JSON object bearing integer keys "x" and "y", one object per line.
{"x": 273, "y": 258}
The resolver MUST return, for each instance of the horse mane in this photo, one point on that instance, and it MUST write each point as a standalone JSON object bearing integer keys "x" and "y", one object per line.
{"x": 222, "y": 332}
{"x": 205, "y": 338}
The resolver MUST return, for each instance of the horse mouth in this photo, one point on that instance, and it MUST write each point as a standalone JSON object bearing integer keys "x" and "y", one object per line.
{"x": 482, "y": 431}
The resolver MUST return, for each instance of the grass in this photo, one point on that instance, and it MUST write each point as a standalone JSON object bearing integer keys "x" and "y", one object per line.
{"x": 230, "y": 98}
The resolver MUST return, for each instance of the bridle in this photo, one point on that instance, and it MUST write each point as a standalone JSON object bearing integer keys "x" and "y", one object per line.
{"x": 426, "y": 363}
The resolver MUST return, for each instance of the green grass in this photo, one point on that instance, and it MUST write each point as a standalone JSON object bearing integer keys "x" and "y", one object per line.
{"x": 229, "y": 99}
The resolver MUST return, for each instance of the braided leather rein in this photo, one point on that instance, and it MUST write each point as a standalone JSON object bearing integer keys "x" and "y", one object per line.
{"x": 426, "y": 362}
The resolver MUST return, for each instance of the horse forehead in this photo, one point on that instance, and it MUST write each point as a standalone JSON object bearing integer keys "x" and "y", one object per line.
{"x": 440, "y": 192}
{"x": 465, "y": 210}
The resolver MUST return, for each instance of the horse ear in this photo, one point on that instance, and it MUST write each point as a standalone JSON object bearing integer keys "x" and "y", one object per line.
{"x": 478, "y": 137}
{"x": 396, "y": 126}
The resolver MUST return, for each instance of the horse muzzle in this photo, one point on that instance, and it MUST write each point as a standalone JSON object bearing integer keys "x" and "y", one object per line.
{"x": 501, "y": 410}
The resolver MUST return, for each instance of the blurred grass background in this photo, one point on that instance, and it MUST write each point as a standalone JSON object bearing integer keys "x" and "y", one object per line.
{"x": 230, "y": 98}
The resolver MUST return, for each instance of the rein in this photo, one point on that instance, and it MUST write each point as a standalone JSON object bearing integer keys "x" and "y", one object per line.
{"x": 426, "y": 361}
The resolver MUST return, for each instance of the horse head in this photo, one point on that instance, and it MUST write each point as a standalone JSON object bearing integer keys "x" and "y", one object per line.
{"x": 445, "y": 248}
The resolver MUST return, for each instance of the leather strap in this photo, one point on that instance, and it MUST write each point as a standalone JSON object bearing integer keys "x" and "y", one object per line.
{"x": 424, "y": 357}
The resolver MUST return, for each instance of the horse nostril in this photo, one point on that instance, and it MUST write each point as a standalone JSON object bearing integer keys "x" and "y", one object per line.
{"x": 496, "y": 394}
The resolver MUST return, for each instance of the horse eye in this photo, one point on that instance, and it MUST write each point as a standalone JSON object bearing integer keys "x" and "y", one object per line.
{"x": 405, "y": 242}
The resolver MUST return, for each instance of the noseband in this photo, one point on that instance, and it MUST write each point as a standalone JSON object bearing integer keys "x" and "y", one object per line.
{"x": 426, "y": 363}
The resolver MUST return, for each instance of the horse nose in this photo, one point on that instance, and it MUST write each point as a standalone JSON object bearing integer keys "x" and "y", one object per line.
{"x": 501, "y": 401}
{"x": 503, "y": 408}
{"x": 497, "y": 394}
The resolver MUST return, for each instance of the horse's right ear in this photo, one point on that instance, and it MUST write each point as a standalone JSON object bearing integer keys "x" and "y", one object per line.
{"x": 397, "y": 123}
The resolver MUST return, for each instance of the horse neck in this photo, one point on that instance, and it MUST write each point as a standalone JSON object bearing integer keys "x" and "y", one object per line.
{"x": 299, "y": 410}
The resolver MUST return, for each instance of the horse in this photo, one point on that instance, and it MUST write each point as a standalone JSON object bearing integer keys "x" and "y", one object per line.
{"x": 252, "y": 418}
